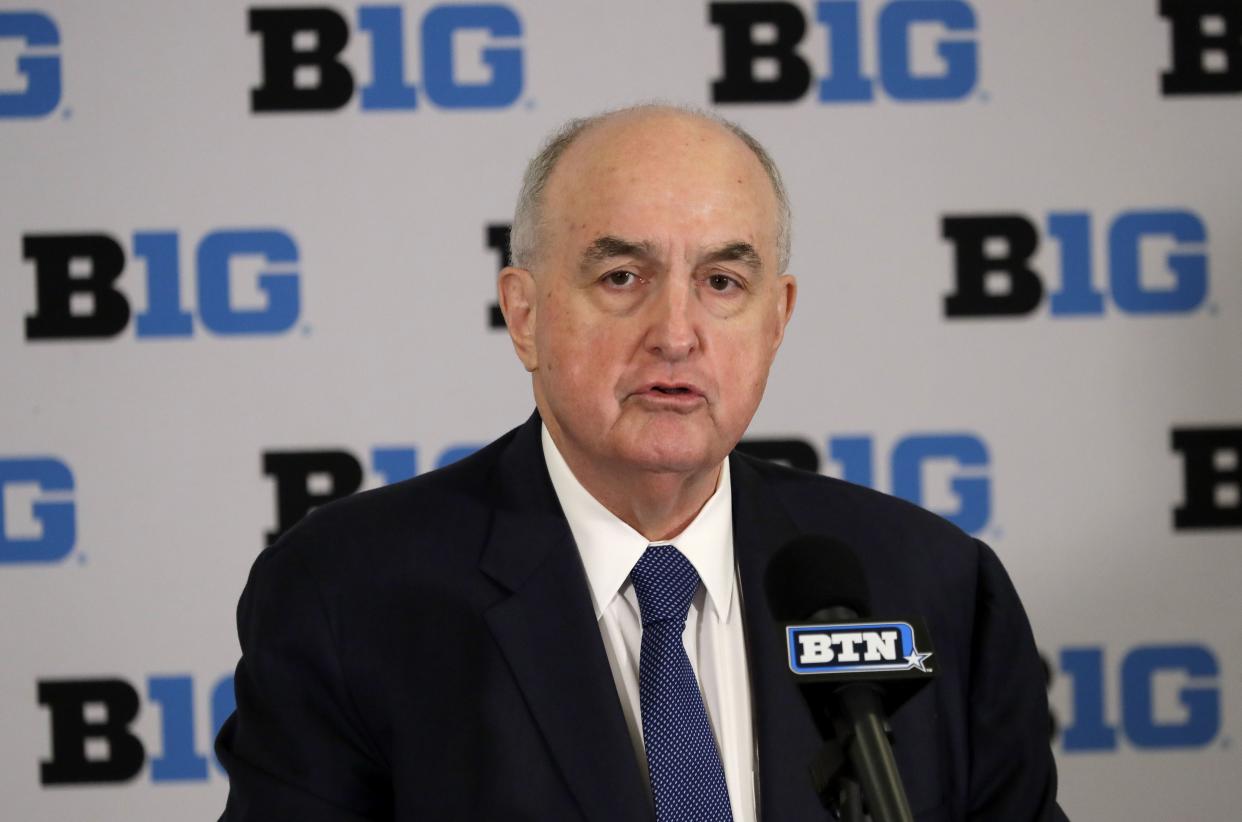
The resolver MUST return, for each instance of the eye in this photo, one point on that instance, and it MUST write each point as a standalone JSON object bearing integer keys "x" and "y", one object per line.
{"x": 620, "y": 279}
{"x": 722, "y": 282}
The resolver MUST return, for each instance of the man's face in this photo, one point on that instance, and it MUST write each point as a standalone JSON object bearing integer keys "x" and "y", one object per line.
{"x": 657, "y": 305}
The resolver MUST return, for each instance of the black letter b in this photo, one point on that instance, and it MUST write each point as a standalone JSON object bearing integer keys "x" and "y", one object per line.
{"x": 67, "y": 701}
{"x": 281, "y": 60}
{"x": 740, "y": 52}
{"x": 972, "y": 265}
{"x": 1191, "y": 44}
{"x": 293, "y": 471}
{"x": 55, "y": 285}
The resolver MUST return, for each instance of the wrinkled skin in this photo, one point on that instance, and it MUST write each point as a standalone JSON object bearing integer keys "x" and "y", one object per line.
{"x": 654, "y": 309}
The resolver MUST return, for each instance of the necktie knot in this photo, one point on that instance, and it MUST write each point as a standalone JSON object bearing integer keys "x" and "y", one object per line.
{"x": 665, "y": 582}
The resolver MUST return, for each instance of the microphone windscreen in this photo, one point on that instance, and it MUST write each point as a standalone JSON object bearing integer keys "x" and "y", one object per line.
{"x": 811, "y": 573}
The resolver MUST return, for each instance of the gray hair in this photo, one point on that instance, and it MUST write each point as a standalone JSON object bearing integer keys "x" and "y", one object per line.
{"x": 528, "y": 215}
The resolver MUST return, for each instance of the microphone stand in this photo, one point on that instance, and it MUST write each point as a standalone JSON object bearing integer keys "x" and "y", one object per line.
{"x": 863, "y": 743}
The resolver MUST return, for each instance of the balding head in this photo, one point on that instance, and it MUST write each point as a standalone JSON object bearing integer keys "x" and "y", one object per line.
{"x": 529, "y": 218}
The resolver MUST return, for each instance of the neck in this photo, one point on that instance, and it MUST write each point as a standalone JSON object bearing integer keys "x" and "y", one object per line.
{"x": 657, "y": 504}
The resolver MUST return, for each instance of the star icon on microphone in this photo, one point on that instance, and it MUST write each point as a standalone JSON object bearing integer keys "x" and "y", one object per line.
{"x": 916, "y": 660}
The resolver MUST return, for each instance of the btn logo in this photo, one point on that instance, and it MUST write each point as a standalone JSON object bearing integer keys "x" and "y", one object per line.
{"x": 38, "y": 66}
{"x": 1205, "y": 39}
{"x": 853, "y": 648}
{"x": 917, "y": 467}
{"x": 1168, "y": 697}
{"x": 771, "y": 70}
{"x": 76, "y": 294}
{"x": 303, "y": 71}
{"x": 38, "y": 521}
{"x": 93, "y": 740}
{"x": 994, "y": 276}
{"x": 1211, "y": 477}
{"x": 306, "y": 480}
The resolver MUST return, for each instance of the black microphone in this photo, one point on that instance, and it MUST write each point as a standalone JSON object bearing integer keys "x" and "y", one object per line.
{"x": 852, "y": 669}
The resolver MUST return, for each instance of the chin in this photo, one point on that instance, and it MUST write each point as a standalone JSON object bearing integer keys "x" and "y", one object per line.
{"x": 673, "y": 454}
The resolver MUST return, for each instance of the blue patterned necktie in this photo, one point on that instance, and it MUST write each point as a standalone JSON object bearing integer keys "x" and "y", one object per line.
{"x": 687, "y": 779}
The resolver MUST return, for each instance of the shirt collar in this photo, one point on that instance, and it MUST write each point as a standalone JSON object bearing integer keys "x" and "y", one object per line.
{"x": 609, "y": 547}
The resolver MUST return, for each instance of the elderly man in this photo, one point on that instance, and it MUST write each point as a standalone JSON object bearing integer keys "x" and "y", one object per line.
{"x": 571, "y": 623}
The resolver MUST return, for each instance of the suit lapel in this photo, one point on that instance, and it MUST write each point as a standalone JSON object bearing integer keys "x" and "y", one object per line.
{"x": 786, "y": 737}
{"x": 547, "y": 631}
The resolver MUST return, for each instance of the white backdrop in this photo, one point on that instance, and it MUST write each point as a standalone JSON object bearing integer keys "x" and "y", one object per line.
{"x": 132, "y": 463}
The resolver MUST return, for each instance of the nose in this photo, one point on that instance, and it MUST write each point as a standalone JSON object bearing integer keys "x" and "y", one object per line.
{"x": 673, "y": 333}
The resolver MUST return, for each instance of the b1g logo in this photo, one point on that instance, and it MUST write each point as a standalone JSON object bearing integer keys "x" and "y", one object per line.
{"x": 993, "y": 276}
{"x": 35, "y": 89}
{"x": 93, "y": 741}
{"x": 1212, "y": 477}
{"x": 77, "y": 295}
{"x": 303, "y": 70}
{"x": 307, "y": 479}
{"x": 770, "y": 70}
{"x": 38, "y": 520}
{"x": 947, "y": 473}
{"x": 1205, "y": 38}
{"x": 1186, "y": 715}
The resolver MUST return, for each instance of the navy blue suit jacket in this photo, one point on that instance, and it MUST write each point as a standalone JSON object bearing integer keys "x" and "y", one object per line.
{"x": 429, "y": 650}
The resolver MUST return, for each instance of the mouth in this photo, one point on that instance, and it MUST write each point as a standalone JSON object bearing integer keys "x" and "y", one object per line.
{"x": 671, "y": 394}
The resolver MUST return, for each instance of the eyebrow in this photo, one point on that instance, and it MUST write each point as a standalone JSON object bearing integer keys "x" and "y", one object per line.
{"x": 741, "y": 252}
{"x": 609, "y": 246}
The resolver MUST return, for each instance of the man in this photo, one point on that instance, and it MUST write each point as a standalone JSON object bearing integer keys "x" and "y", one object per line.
{"x": 571, "y": 623}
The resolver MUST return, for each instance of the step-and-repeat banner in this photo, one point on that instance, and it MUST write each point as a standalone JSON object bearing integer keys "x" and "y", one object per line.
{"x": 247, "y": 262}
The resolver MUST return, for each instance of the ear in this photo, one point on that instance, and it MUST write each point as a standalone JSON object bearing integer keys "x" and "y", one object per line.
{"x": 516, "y": 290}
{"x": 786, "y": 296}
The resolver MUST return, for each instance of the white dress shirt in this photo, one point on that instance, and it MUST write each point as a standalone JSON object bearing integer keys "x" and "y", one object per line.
{"x": 713, "y": 636}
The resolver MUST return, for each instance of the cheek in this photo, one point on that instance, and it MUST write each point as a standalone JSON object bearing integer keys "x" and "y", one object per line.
{"x": 575, "y": 355}
{"x": 556, "y": 334}
{"x": 743, "y": 370}
{"x": 584, "y": 342}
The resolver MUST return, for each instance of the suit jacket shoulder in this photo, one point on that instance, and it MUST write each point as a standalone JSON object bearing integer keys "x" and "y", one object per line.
{"x": 913, "y": 558}
{"x": 439, "y": 512}
{"x": 973, "y": 745}
{"x": 428, "y": 650}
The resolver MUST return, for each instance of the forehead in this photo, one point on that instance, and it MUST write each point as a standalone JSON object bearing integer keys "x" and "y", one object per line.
{"x": 663, "y": 177}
